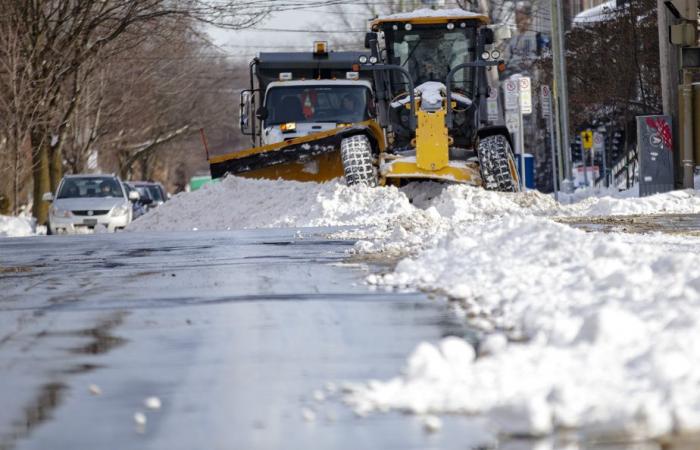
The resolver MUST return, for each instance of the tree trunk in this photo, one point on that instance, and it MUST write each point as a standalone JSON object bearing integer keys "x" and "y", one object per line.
{"x": 55, "y": 166}
{"x": 40, "y": 174}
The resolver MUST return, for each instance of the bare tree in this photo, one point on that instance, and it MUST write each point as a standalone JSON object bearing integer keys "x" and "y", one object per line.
{"x": 59, "y": 43}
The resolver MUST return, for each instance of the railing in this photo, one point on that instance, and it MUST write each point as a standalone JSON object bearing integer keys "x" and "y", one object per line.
{"x": 624, "y": 170}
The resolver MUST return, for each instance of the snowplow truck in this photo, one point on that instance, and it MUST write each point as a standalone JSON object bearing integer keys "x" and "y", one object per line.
{"x": 430, "y": 79}
{"x": 299, "y": 108}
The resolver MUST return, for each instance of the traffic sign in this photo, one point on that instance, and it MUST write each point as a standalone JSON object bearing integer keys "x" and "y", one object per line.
{"x": 546, "y": 101}
{"x": 492, "y": 105}
{"x": 511, "y": 89}
{"x": 512, "y": 121}
{"x": 598, "y": 141}
{"x": 587, "y": 139}
{"x": 525, "y": 87}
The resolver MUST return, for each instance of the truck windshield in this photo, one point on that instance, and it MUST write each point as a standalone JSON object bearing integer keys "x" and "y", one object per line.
{"x": 430, "y": 53}
{"x": 307, "y": 104}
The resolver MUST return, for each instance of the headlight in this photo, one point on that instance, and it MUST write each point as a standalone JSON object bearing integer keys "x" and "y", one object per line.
{"x": 57, "y": 212}
{"x": 363, "y": 59}
{"x": 496, "y": 54}
{"x": 120, "y": 210}
{"x": 485, "y": 56}
{"x": 373, "y": 60}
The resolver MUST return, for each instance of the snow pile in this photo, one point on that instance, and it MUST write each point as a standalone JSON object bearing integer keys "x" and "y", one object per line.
{"x": 246, "y": 203}
{"x": 13, "y": 226}
{"x": 674, "y": 202}
{"x": 606, "y": 325}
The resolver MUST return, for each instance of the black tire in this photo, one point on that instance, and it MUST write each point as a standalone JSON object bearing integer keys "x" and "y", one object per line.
{"x": 498, "y": 169}
{"x": 356, "y": 153}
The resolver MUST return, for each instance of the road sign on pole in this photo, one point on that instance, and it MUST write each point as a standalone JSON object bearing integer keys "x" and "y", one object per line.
{"x": 512, "y": 122}
{"x": 587, "y": 139}
{"x": 546, "y": 101}
{"x": 510, "y": 88}
{"x": 525, "y": 87}
{"x": 492, "y": 105}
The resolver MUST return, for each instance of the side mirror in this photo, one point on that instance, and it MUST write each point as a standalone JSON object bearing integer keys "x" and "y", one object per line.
{"x": 245, "y": 112}
{"x": 370, "y": 37}
{"x": 487, "y": 34}
{"x": 146, "y": 201}
{"x": 261, "y": 113}
{"x": 134, "y": 196}
{"x": 47, "y": 197}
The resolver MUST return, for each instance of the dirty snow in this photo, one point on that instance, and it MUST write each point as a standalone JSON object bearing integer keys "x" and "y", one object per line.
{"x": 13, "y": 226}
{"x": 590, "y": 331}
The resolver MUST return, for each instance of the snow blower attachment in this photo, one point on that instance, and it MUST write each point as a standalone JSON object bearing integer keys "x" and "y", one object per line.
{"x": 429, "y": 78}
{"x": 309, "y": 104}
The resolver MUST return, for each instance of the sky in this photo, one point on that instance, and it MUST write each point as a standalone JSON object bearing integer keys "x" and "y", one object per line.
{"x": 245, "y": 44}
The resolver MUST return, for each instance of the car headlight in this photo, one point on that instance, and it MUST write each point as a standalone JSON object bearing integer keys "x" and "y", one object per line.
{"x": 120, "y": 210}
{"x": 57, "y": 212}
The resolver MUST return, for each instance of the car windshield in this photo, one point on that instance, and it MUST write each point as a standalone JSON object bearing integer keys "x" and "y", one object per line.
{"x": 306, "y": 104}
{"x": 430, "y": 53}
{"x": 156, "y": 195}
{"x": 88, "y": 187}
{"x": 144, "y": 192}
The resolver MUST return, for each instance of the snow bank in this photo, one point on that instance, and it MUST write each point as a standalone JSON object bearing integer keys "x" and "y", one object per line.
{"x": 246, "y": 203}
{"x": 604, "y": 324}
{"x": 12, "y": 226}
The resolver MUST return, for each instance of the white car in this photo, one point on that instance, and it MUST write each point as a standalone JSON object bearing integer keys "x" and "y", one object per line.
{"x": 86, "y": 202}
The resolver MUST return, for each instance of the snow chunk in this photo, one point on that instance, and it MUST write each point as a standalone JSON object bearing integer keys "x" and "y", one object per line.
{"x": 425, "y": 12}
{"x": 13, "y": 226}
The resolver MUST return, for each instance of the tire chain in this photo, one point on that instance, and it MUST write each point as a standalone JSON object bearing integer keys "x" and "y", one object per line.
{"x": 356, "y": 153}
{"x": 493, "y": 159}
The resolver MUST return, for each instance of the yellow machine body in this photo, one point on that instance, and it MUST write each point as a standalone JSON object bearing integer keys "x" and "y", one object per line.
{"x": 428, "y": 20}
{"x": 432, "y": 141}
{"x": 432, "y": 159}
{"x": 315, "y": 157}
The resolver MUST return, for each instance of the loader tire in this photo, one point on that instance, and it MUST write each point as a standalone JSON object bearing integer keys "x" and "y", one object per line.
{"x": 356, "y": 153}
{"x": 497, "y": 163}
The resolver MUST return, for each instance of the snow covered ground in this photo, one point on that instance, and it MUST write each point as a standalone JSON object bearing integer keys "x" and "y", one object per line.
{"x": 12, "y": 226}
{"x": 590, "y": 331}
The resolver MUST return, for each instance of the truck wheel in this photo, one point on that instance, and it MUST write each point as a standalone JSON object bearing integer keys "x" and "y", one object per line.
{"x": 356, "y": 153}
{"x": 498, "y": 169}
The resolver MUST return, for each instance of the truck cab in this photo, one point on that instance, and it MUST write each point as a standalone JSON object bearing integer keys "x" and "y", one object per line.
{"x": 299, "y": 111}
{"x": 298, "y": 108}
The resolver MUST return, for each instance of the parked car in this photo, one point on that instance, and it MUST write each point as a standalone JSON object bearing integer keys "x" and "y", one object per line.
{"x": 83, "y": 202}
{"x": 140, "y": 206}
{"x": 151, "y": 189}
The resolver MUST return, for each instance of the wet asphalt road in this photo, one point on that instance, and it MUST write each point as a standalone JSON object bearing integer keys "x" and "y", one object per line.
{"x": 233, "y": 331}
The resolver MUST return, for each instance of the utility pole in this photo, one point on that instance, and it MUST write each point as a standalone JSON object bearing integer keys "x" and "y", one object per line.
{"x": 680, "y": 41}
{"x": 669, "y": 65}
{"x": 561, "y": 95}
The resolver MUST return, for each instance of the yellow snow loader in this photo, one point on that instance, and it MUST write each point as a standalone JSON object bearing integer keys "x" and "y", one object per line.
{"x": 430, "y": 79}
